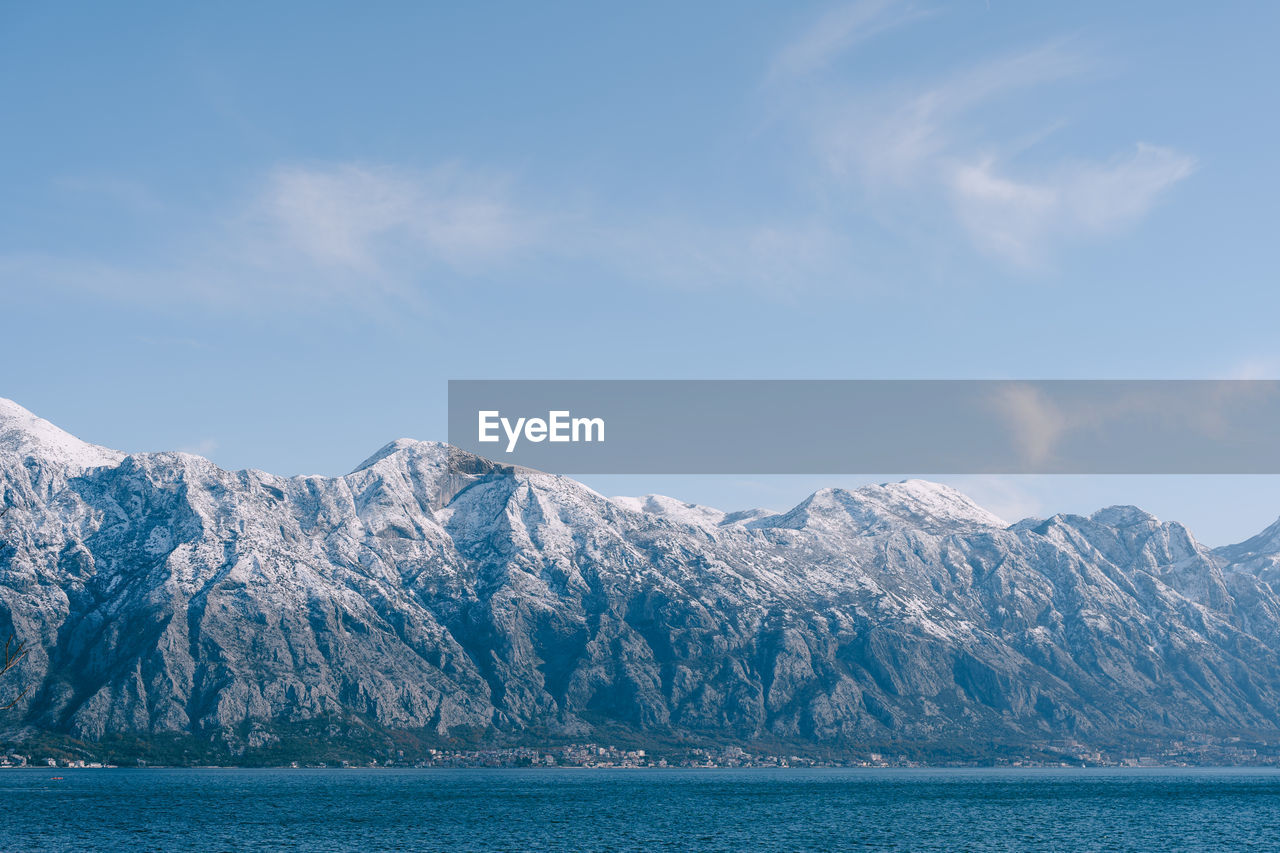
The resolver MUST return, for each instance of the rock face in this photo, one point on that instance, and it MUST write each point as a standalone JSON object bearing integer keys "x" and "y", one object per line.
{"x": 430, "y": 591}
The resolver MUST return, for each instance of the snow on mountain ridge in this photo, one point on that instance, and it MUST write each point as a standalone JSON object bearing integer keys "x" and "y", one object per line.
{"x": 917, "y": 503}
{"x": 1266, "y": 542}
{"x": 913, "y": 501}
{"x": 673, "y": 508}
{"x": 393, "y": 447}
{"x": 26, "y": 435}
{"x": 935, "y": 500}
{"x": 1259, "y": 555}
{"x": 907, "y": 502}
{"x": 1123, "y": 515}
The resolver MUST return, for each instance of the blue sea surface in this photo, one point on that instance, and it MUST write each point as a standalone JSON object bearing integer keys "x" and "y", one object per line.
{"x": 613, "y": 810}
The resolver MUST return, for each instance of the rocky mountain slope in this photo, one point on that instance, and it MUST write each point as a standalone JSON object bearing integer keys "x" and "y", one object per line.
{"x": 438, "y": 593}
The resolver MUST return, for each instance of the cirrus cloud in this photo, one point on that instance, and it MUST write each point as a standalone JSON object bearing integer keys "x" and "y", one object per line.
{"x": 1019, "y": 219}
{"x": 356, "y": 216}
{"x": 945, "y": 143}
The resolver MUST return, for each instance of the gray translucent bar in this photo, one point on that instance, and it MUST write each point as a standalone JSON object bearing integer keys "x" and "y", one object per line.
{"x": 876, "y": 426}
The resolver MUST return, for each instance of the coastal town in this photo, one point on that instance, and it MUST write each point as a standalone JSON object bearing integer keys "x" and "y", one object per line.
{"x": 1231, "y": 752}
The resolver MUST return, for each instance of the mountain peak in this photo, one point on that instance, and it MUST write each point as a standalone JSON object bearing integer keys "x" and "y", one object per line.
{"x": 26, "y": 435}
{"x": 1123, "y": 516}
{"x": 915, "y": 503}
{"x": 398, "y": 446}
{"x": 673, "y": 509}
{"x": 927, "y": 501}
{"x": 1266, "y": 545}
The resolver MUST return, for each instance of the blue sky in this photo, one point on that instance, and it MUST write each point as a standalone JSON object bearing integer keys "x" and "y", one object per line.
{"x": 270, "y": 233}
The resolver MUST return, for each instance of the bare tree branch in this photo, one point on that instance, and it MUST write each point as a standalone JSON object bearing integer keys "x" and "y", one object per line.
{"x": 15, "y": 700}
{"x": 12, "y": 653}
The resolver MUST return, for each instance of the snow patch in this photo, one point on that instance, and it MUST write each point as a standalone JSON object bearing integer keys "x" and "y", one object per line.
{"x": 22, "y": 434}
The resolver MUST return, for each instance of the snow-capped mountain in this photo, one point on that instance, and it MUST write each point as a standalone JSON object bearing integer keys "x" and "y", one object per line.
{"x": 1259, "y": 555}
{"x": 23, "y": 436}
{"x": 432, "y": 591}
{"x": 688, "y": 513}
{"x": 915, "y": 504}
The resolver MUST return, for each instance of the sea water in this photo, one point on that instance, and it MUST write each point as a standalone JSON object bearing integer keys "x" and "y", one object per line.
{"x": 1161, "y": 810}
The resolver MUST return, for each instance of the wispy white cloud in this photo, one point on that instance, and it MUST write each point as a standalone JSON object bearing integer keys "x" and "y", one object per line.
{"x": 1040, "y": 425}
{"x": 949, "y": 144}
{"x": 360, "y": 217}
{"x": 892, "y": 135}
{"x": 943, "y": 155}
{"x": 1019, "y": 219}
{"x": 369, "y": 238}
{"x": 369, "y": 224}
{"x": 1036, "y": 423}
{"x": 382, "y": 240}
{"x": 837, "y": 30}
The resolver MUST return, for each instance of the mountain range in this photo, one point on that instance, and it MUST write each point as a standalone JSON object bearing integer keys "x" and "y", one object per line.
{"x": 431, "y": 597}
